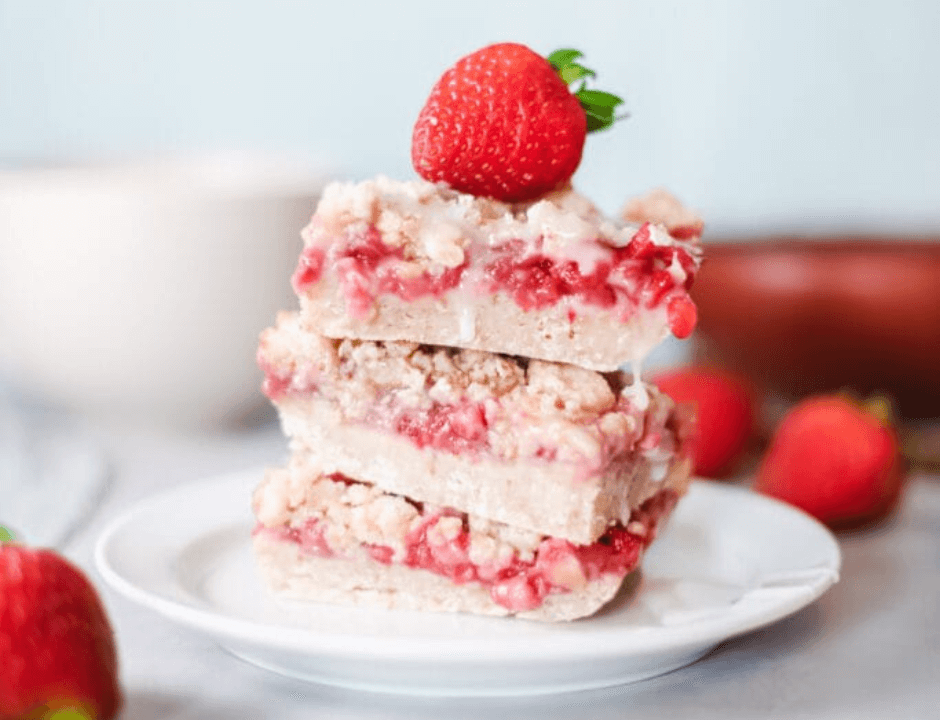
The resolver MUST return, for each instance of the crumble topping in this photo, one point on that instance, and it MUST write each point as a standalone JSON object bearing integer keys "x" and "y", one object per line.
{"x": 574, "y": 392}
{"x": 434, "y": 225}
{"x": 661, "y": 207}
{"x": 354, "y": 513}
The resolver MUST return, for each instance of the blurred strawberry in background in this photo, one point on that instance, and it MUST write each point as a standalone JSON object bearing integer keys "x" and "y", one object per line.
{"x": 57, "y": 650}
{"x": 725, "y": 413}
{"x": 837, "y": 459}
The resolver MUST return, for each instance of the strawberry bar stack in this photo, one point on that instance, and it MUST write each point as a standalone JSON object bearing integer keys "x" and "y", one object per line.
{"x": 462, "y": 437}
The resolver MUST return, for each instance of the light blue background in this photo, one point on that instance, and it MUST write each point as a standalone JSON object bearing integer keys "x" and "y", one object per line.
{"x": 762, "y": 115}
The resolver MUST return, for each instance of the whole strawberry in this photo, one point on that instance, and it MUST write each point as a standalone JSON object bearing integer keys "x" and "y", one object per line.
{"x": 503, "y": 123}
{"x": 56, "y": 645}
{"x": 724, "y": 410}
{"x": 836, "y": 459}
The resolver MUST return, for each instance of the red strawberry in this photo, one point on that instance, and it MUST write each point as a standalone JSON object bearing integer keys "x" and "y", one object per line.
{"x": 502, "y": 123}
{"x": 837, "y": 460}
{"x": 724, "y": 411}
{"x": 56, "y": 645}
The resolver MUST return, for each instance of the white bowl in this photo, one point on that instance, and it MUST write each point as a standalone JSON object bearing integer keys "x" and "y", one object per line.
{"x": 139, "y": 290}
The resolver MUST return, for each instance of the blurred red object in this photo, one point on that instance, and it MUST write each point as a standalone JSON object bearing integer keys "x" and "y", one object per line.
{"x": 836, "y": 459}
{"x": 724, "y": 411}
{"x": 807, "y": 316}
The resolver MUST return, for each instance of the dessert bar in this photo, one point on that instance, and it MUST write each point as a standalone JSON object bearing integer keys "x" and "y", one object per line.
{"x": 329, "y": 538}
{"x": 551, "y": 279}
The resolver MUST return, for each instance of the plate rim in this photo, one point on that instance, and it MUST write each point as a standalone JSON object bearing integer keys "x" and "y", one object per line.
{"x": 614, "y": 642}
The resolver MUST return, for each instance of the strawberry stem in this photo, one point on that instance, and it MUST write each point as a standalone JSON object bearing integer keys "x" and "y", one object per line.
{"x": 6, "y": 535}
{"x": 881, "y": 407}
{"x": 67, "y": 713}
{"x": 599, "y": 106}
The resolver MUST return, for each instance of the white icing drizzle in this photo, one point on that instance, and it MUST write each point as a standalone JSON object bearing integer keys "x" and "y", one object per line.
{"x": 648, "y": 330}
{"x": 468, "y": 323}
{"x": 636, "y": 390}
{"x": 676, "y": 270}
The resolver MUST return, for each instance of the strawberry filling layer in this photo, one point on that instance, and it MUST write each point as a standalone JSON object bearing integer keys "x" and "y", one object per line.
{"x": 636, "y": 275}
{"x": 556, "y": 566}
{"x": 456, "y": 429}
{"x": 367, "y": 268}
{"x": 462, "y": 428}
{"x": 639, "y": 275}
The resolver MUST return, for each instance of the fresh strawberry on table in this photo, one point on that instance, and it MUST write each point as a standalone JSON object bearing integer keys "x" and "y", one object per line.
{"x": 57, "y": 649}
{"x": 503, "y": 123}
{"x": 724, "y": 410}
{"x": 837, "y": 459}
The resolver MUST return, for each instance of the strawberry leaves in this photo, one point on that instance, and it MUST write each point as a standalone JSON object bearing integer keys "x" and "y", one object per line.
{"x": 564, "y": 63}
{"x": 599, "y": 108}
{"x": 598, "y": 105}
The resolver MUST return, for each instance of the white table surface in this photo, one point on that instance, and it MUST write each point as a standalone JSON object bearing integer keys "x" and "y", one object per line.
{"x": 869, "y": 648}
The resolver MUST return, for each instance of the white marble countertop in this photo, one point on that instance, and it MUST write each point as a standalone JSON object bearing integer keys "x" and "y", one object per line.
{"x": 869, "y": 648}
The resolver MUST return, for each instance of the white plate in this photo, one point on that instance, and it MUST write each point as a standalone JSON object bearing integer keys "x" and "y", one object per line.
{"x": 729, "y": 561}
